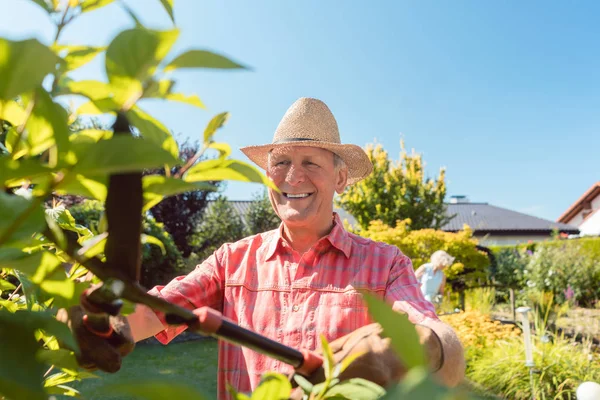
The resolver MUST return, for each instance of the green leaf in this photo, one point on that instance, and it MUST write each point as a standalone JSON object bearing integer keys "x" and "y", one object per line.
{"x": 47, "y": 125}
{"x": 155, "y": 241}
{"x": 30, "y": 290}
{"x": 399, "y": 329}
{"x": 90, "y": 186}
{"x": 154, "y": 389}
{"x": 122, "y": 154}
{"x": 96, "y": 107}
{"x": 132, "y": 15}
{"x": 63, "y": 390}
{"x": 328, "y": 362}
{"x": 235, "y": 395}
{"x": 77, "y": 56}
{"x": 163, "y": 89}
{"x": 37, "y": 265}
{"x": 23, "y": 66}
{"x": 13, "y": 172}
{"x": 93, "y": 90}
{"x": 306, "y": 386}
{"x": 215, "y": 123}
{"x": 223, "y": 148}
{"x": 417, "y": 384}
{"x": 220, "y": 170}
{"x": 10, "y": 306}
{"x": 90, "y": 5}
{"x": 12, "y": 112}
{"x": 20, "y": 372}
{"x": 60, "y": 288}
{"x": 95, "y": 246}
{"x": 132, "y": 58}
{"x": 168, "y": 5}
{"x": 59, "y": 379}
{"x": 153, "y": 130}
{"x": 202, "y": 59}
{"x": 273, "y": 386}
{"x": 19, "y": 217}
{"x": 61, "y": 358}
{"x": 156, "y": 187}
{"x": 6, "y": 285}
{"x": 42, "y": 3}
{"x": 356, "y": 389}
{"x": 89, "y": 136}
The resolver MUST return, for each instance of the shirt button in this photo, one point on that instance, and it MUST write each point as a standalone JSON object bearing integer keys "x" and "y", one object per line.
{"x": 295, "y": 308}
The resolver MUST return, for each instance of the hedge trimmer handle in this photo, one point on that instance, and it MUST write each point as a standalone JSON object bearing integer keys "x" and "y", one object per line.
{"x": 99, "y": 303}
{"x": 211, "y": 322}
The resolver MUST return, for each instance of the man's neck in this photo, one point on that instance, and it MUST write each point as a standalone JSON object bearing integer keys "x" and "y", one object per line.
{"x": 303, "y": 238}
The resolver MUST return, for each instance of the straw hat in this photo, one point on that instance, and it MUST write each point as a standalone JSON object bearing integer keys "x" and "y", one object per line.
{"x": 309, "y": 122}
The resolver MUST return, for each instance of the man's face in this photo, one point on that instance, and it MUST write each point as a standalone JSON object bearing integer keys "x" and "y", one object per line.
{"x": 307, "y": 179}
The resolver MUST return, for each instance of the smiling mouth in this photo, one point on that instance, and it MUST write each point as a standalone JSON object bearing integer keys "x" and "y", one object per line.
{"x": 296, "y": 196}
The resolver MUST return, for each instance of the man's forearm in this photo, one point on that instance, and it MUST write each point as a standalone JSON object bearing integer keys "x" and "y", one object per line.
{"x": 144, "y": 323}
{"x": 444, "y": 350}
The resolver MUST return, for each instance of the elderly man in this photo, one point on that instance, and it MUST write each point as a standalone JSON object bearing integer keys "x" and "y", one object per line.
{"x": 302, "y": 280}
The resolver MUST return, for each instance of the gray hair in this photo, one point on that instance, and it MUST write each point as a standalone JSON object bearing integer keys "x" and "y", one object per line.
{"x": 442, "y": 259}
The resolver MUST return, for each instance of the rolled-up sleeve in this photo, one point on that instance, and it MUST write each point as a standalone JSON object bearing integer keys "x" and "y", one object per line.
{"x": 201, "y": 287}
{"x": 404, "y": 293}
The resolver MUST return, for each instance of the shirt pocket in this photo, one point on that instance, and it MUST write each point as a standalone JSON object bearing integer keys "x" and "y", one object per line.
{"x": 340, "y": 313}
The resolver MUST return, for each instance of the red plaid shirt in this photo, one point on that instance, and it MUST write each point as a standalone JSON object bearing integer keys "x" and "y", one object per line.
{"x": 263, "y": 285}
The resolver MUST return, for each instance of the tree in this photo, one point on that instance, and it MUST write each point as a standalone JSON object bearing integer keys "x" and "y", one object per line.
{"x": 397, "y": 191}
{"x": 261, "y": 217}
{"x": 220, "y": 224}
{"x": 182, "y": 213}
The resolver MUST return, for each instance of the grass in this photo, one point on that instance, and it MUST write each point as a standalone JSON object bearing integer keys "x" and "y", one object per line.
{"x": 192, "y": 362}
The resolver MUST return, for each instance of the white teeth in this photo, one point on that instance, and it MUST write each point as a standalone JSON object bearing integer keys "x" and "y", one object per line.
{"x": 297, "y": 196}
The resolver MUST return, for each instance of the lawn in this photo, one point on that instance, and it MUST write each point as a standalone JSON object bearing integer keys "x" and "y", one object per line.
{"x": 192, "y": 362}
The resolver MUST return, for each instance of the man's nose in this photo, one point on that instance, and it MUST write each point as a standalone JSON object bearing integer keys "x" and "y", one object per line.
{"x": 295, "y": 175}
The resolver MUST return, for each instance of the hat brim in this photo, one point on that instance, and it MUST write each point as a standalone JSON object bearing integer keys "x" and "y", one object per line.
{"x": 357, "y": 161}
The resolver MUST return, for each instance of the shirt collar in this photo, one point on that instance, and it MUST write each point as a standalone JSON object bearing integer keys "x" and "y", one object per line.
{"x": 338, "y": 237}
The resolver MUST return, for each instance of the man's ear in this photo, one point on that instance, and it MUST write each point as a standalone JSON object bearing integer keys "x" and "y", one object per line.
{"x": 341, "y": 180}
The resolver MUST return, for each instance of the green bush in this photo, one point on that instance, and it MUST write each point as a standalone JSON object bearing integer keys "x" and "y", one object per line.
{"x": 567, "y": 268}
{"x": 565, "y": 272}
{"x": 470, "y": 266}
{"x": 220, "y": 224}
{"x": 562, "y": 365}
{"x": 261, "y": 217}
{"x": 157, "y": 268}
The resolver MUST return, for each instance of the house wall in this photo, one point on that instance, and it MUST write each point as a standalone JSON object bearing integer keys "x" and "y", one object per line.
{"x": 577, "y": 220}
{"x": 491, "y": 240}
{"x": 591, "y": 226}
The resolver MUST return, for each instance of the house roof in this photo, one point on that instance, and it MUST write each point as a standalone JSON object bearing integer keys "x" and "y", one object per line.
{"x": 576, "y": 207}
{"x": 485, "y": 218}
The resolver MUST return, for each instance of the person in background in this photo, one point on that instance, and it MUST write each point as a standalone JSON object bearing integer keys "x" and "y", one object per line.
{"x": 431, "y": 275}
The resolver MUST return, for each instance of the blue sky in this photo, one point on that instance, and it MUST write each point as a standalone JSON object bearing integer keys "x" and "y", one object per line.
{"x": 504, "y": 94}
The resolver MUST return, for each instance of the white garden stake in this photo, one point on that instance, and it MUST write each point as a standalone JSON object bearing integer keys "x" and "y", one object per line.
{"x": 528, "y": 346}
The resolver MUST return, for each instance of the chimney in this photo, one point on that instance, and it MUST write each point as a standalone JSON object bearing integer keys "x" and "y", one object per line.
{"x": 458, "y": 199}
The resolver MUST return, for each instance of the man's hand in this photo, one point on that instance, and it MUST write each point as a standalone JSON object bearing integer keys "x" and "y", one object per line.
{"x": 97, "y": 352}
{"x": 377, "y": 360}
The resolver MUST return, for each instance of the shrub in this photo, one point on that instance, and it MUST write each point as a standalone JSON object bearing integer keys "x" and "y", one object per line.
{"x": 477, "y": 331}
{"x": 157, "y": 268}
{"x": 562, "y": 365}
{"x": 220, "y": 224}
{"x": 261, "y": 217}
{"x": 469, "y": 268}
{"x": 181, "y": 213}
{"x": 563, "y": 271}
